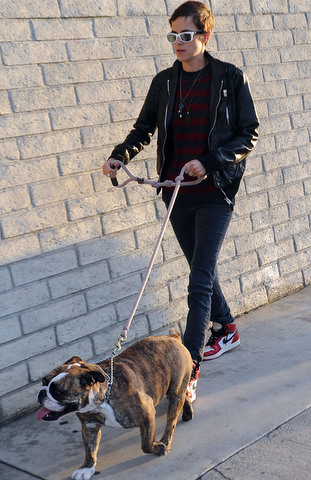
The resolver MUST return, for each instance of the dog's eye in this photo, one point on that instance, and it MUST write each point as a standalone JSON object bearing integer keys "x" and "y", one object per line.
{"x": 56, "y": 391}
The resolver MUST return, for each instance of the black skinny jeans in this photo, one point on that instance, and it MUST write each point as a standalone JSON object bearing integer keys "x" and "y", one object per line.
{"x": 200, "y": 231}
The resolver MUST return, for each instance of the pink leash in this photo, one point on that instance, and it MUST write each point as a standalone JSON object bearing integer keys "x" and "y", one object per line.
{"x": 167, "y": 183}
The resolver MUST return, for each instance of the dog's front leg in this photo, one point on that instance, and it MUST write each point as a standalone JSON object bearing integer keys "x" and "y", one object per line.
{"x": 148, "y": 434}
{"x": 91, "y": 435}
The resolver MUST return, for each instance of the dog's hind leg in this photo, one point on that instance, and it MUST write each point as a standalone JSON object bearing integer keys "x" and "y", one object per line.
{"x": 174, "y": 408}
{"x": 188, "y": 412}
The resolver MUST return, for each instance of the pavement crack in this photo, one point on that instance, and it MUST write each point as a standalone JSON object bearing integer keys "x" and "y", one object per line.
{"x": 14, "y": 467}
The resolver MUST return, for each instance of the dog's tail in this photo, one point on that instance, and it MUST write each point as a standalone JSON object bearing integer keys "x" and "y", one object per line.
{"x": 175, "y": 333}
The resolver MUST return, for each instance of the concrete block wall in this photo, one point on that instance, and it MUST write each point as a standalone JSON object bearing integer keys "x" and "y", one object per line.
{"x": 73, "y": 249}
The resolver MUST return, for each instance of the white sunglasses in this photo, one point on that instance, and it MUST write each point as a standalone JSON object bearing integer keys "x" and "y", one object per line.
{"x": 184, "y": 36}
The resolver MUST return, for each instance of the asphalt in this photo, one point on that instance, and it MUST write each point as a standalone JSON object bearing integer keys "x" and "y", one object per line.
{"x": 252, "y": 416}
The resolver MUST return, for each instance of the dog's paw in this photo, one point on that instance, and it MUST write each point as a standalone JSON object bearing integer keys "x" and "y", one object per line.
{"x": 188, "y": 413}
{"x": 160, "y": 448}
{"x": 83, "y": 473}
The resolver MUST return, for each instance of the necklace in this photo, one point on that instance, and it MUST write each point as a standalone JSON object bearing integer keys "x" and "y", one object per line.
{"x": 182, "y": 103}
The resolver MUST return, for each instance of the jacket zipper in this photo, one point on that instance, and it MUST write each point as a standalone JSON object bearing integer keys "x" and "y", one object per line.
{"x": 209, "y": 137}
{"x": 165, "y": 125}
{"x": 214, "y": 123}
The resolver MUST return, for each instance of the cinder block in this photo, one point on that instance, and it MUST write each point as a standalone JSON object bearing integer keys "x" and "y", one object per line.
{"x": 126, "y": 110}
{"x": 83, "y": 326}
{"x": 27, "y": 346}
{"x": 166, "y": 317}
{"x": 113, "y": 292}
{"x": 14, "y": 30}
{"x": 14, "y": 53}
{"x": 292, "y": 139}
{"x": 73, "y": 72}
{"x": 112, "y": 26}
{"x": 18, "y": 248}
{"x": 79, "y": 116}
{"x": 295, "y": 263}
{"x": 20, "y": 402}
{"x": 14, "y": 199}
{"x": 266, "y": 218}
{"x": 10, "y": 329}
{"x": 107, "y": 91}
{"x": 109, "y": 246}
{"x": 32, "y": 219}
{"x": 23, "y": 76}
{"x": 297, "y": 53}
{"x": 263, "y": 6}
{"x": 82, "y": 161}
{"x": 151, "y": 300}
{"x": 257, "y": 239}
{"x": 62, "y": 28}
{"x": 23, "y": 298}
{"x": 44, "y": 266}
{"x": 237, "y": 41}
{"x": 92, "y": 8}
{"x": 94, "y": 205}
{"x": 13, "y": 378}
{"x": 61, "y": 189}
{"x": 292, "y": 227}
{"x": 94, "y": 49}
{"x": 53, "y": 313}
{"x": 239, "y": 265}
{"x": 254, "y": 22}
{"x": 272, "y": 253}
{"x": 24, "y": 124}
{"x": 27, "y": 9}
{"x": 8, "y": 152}
{"x": 72, "y": 233}
{"x": 109, "y": 134}
{"x": 275, "y": 39}
{"x": 138, "y": 8}
{"x": 5, "y": 106}
{"x": 125, "y": 218}
{"x": 262, "y": 182}
{"x": 40, "y": 98}
{"x": 128, "y": 68}
{"x": 78, "y": 280}
{"x": 290, "y": 21}
{"x": 34, "y": 170}
{"x": 54, "y": 142}
{"x": 44, "y": 363}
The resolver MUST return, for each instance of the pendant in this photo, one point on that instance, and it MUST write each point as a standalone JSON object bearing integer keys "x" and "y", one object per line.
{"x": 187, "y": 118}
{"x": 181, "y": 106}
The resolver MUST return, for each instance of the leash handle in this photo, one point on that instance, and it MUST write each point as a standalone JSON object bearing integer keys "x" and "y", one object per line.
{"x": 155, "y": 251}
{"x": 155, "y": 184}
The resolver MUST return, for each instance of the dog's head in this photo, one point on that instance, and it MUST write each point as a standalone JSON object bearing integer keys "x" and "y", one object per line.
{"x": 74, "y": 386}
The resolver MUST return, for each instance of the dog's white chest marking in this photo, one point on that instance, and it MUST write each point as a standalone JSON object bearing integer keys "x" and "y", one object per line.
{"x": 108, "y": 411}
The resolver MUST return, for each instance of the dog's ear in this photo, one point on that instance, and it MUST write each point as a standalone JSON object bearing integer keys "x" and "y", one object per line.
{"x": 73, "y": 360}
{"x": 92, "y": 377}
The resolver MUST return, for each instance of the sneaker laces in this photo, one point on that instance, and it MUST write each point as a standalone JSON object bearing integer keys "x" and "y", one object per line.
{"x": 214, "y": 336}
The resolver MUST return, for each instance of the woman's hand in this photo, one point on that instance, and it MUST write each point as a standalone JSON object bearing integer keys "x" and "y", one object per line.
{"x": 195, "y": 168}
{"x": 110, "y": 168}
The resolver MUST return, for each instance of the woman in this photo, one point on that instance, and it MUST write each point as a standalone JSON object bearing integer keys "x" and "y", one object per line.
{"x": 206, "y": 120}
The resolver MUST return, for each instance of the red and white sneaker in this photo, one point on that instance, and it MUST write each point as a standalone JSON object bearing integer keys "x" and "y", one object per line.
{"x": 221, "y": 341}
{"x": 192, "y": 385}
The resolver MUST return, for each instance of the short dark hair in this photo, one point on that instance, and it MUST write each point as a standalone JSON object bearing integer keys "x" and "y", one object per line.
{"x": 202, "y": 16}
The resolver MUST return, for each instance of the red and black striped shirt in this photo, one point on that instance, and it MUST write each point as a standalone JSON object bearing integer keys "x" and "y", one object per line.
{"x": 190, "y": 140}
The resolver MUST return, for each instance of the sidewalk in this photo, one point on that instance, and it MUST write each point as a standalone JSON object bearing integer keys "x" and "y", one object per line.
{"x": 252, "y": 416}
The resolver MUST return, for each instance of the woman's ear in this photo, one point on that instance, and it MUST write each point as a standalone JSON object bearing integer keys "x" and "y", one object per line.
{"x": 206, "y": 37}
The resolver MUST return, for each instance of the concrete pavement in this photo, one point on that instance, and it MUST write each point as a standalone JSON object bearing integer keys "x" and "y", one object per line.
{"x": 252, "y": 416}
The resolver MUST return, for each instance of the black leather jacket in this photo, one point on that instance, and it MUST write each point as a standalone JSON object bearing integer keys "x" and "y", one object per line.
{"x": 233, "y": 121}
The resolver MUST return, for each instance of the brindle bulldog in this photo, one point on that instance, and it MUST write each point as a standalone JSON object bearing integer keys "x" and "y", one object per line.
{"x": 143, "y": 374}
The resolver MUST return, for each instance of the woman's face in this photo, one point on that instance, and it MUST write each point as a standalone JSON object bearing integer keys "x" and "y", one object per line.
{"x": 188, "y": 52}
